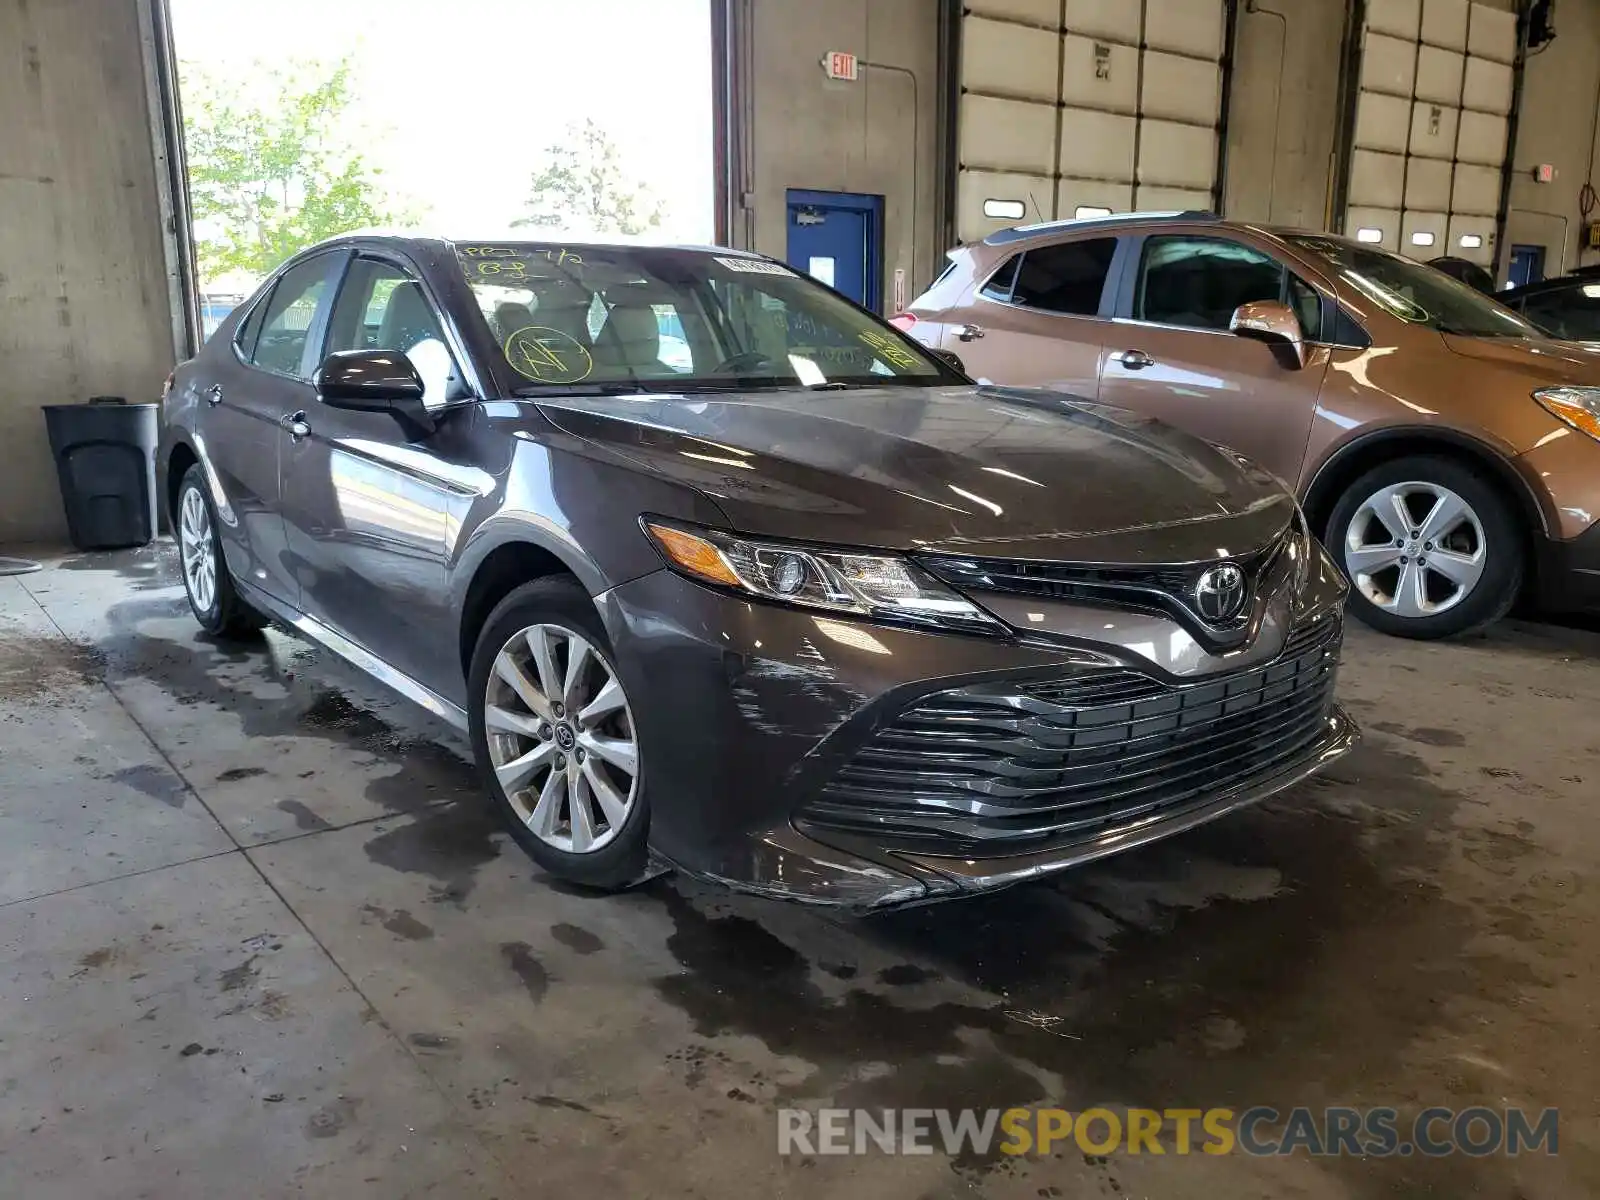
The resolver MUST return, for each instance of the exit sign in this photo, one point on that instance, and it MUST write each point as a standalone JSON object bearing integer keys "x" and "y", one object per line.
{"x": 841, "y": 65}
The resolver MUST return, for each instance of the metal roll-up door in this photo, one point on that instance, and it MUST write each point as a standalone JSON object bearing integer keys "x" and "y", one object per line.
{"x": 1081, "y": 107}
{"x": 1429, "y": 143}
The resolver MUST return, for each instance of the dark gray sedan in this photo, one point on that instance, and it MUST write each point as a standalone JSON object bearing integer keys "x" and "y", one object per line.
{"x": 723, "y": 572}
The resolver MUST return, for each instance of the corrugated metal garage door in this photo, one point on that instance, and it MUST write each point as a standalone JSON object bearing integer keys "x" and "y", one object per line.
{"x": 1085, "y": 105}
{"x": 1430, "y": 134}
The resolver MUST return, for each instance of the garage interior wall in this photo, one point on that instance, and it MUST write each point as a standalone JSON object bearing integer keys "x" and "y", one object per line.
{"x": 877, "y": 135}
{"x": 1431, "y": 126}
{"x": 1072, "y": 107}
{"x": 1283, "y": 112}
{"x": 1558, "y": 126}
{"x": 84, "y": 302}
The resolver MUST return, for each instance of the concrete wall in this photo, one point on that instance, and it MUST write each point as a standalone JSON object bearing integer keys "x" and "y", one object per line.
{"x": 1557, "y": 125}
{"x": 812, "y": 132}
{"x": 1284, "y": 111}
{"x": 84, "y": 306}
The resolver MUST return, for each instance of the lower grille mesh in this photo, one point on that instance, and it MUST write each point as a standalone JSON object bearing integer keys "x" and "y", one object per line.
{"x": 997, "y": 768}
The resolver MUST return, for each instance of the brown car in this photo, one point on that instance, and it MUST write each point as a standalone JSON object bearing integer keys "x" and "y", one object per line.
{"x": 1444, "y": 449}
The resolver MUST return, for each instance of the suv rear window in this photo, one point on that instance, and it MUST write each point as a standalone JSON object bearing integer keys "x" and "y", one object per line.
{"x": 1066, "y": 278}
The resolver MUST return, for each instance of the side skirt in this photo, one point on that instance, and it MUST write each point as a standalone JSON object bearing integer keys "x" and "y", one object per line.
{"x": 356, "y": 656}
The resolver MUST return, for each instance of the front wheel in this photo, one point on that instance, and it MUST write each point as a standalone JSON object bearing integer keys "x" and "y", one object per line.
{"x": 1431, "y": 548}
{"x": 555, "y": 738}
{"x": 215, "y": 602}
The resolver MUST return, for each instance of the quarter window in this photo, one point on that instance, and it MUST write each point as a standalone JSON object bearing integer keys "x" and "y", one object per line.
{"x": 1307, "y": 307}
{"x": 999, "y": 285}
{"x": 1197, "y": 283}
{"x": 289, "y": 315}
{"x": 1066, "y": 278}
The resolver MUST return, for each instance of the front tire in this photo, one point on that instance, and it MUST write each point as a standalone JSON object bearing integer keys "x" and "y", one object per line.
{"x": 1431, "y": 548}
{"x": 555, "y": 739}
{"x": 215, "y": 602}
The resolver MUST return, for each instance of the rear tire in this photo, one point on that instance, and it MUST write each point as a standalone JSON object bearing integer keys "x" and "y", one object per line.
{"x": 1431, "y": 548}
{"x": 213, "y": 599}
{"x": 555, "y": 743}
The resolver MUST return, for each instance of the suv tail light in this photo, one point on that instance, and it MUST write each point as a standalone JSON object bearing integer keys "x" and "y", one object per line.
{"x": 903, "y": 321}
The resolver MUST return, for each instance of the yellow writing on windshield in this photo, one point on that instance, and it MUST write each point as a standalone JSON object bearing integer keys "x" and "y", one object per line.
{"x": 891, "y": 351}
{"x": 547, "y": 355}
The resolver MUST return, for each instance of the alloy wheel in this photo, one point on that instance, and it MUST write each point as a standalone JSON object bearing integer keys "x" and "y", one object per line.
{"x": 197, "y": 544}
{"x": 1415, "y": 549}
{"x": 561, "y": 738}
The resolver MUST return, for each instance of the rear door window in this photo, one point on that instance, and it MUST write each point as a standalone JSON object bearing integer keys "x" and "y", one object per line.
{"x": 1067, "y": 278}
{"x": 290, "y": 314}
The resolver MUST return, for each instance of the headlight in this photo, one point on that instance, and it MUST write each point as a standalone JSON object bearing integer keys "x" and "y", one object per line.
{"x": 880, "y": 587}
{"x": 1577, "y": 406}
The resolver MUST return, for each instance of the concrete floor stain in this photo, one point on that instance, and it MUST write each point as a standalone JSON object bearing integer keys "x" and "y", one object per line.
{"x": 447, "y": 844}
{"x": 532, "y": 973}
{"x": 304, "y": 819}
{"x": 576, "y": 938}
{"x": 400, "y": 922}
{"x": 156, "y": 782}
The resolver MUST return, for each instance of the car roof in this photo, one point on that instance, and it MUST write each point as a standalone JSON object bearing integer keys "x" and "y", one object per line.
{"x": 400, "y": 240}
{"x": 1560, "y": 283}
{"x": 1115, "y": 222}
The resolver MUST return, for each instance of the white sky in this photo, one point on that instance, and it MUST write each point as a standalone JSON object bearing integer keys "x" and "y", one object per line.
{"x": 457, "y": 98}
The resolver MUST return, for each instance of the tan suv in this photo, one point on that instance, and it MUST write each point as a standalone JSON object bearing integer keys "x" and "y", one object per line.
{"x": 1442, "y": 447}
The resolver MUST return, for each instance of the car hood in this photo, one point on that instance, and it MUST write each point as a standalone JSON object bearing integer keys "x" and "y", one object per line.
{"x": 1545, "y": 361}
{"x": 996, "y": 472}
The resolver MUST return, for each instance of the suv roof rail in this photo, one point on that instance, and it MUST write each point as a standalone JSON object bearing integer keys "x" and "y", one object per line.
{"x": 1017, "y": 232}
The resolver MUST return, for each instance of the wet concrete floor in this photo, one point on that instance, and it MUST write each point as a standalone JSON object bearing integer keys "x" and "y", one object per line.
{"x": 260, "y": 937}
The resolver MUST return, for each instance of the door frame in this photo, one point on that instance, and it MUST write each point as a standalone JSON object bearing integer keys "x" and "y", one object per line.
{"x": 858, "y": 202}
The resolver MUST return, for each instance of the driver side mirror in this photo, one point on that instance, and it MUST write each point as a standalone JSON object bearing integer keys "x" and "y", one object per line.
{"x": 1272, "y": 322}
{"x": 950, "y": 358}
{"x": 374, "y": 381}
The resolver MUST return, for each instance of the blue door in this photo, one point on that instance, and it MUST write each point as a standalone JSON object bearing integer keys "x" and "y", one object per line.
{"x": 1527, "y": 265}
{"x": 834, "y": 237}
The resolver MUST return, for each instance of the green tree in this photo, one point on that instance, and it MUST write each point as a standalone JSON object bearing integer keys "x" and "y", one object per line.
{"x": 270, "y": 176}
{"x": 585, "y": 187}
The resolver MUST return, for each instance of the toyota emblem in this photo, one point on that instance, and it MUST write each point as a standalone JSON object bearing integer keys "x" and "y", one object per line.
{"x": 1220, "y": 594}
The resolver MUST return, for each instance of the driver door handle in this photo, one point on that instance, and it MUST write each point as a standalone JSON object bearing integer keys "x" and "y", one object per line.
{"x": 969, "y": 333}
{"x": 296, "y": 424}
{"x": 1134, "y": 360}
{"x": 213, "y": 394}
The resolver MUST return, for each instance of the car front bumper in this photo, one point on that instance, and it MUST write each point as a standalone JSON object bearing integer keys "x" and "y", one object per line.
{"x": 1569, "y": 573}
{"x": 749, "y": 715}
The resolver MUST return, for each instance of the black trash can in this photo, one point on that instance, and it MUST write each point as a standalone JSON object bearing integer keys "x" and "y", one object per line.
{"x": 105, "y": 454}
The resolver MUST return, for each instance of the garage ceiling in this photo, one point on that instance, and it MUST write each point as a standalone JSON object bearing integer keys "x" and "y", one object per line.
{"x": 1073, "y": 106}
{"x": 1429, "y": 144}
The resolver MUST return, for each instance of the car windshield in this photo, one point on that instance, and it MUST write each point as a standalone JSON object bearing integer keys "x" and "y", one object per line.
{"x": 1416, "y": 293}
{"x": 624, "y": 318}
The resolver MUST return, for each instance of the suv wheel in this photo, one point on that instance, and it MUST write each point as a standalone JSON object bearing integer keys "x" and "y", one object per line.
{"x": 1431, "y": 548}
{"x": 555, "y": 738}
{"x": 212, "y": 597}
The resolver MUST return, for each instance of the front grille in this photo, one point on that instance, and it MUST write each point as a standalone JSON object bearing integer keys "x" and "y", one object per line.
{"x": 1008, "y": 767}
{"x": 1166, "y": 589}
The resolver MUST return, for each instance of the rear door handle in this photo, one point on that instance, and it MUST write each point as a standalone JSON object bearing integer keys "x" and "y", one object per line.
{"x": 968, "y": 333}
{"x": 297, "y": 425}
{"x": 1134, "y": 360}
{"x": 214, "y": 394}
